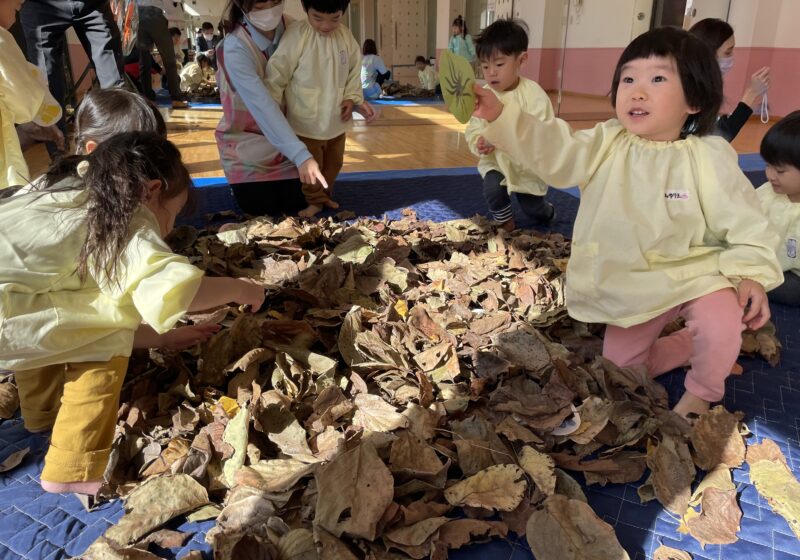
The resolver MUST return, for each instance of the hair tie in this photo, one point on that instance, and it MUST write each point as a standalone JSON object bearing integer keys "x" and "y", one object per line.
{"x": 82, "y": 168}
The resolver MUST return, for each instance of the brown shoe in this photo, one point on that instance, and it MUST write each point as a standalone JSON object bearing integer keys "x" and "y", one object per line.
{"x": 180, "y": 104}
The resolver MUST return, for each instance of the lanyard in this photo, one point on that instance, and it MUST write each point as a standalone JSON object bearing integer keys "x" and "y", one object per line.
{"x": 764, "y": 109}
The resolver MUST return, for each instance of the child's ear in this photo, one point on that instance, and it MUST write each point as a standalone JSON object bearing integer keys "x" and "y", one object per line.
{"x": 90, "y": 146}
{"x": 694, "y": 110}
{"x": 523, "y": 58}
{"x": 153, "y": 190}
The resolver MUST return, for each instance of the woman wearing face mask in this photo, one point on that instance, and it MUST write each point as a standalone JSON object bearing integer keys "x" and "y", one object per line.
{"x": 263, "y": 160}
{"x": 718, "y": 35}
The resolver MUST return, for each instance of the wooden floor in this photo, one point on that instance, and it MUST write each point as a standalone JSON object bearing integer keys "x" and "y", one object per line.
{"x": 418, "y": 137}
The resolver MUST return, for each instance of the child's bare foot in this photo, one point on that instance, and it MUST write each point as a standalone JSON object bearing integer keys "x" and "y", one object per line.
{"x": 331, "y": 204}
{"x": 508, "y": 226}
{"x": 691, "y": 405}
{"x": 311, "y": 211}
{"x": 88, "y": 487}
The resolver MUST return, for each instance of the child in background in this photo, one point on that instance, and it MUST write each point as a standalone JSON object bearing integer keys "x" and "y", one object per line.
{"x": 197, "y": 74}
{"x": 668, "y": 225}
{"x": 780, "y": 198}
{"x": 373, "y": 70}
{"x": 502, "y": 49}
{"x": 428, "y": 78}
{"x": 24, "y": 98}
{"x": 316, "y": 72}
{"x": 74, "y": 297}
{"x": 461, "y": 41}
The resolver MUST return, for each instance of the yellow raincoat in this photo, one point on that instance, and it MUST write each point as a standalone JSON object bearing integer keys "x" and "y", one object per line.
{"x": 312, "y": 74}
{"x": 47, "y": 316}
{"x": 532, "y": 99}
{"x": 784, "y": 215}
{"x": 659, "y": 223}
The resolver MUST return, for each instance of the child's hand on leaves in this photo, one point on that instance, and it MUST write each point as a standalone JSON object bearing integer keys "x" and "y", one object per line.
{"x": 757, "y": 312}
{"x": 487, "y": 106}
{"x": 484, "y": 147}
{"x": 347, "y": 109}
{"x": 250, "y": 293}
{"x": 310, "y": 173}
{"x": 186, "y": 337}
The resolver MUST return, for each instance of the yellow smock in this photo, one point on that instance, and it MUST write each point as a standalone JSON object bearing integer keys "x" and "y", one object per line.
{"x": 659, "y": 223}
{"x": 784, "y": 215}
{"x": 312, "y": 75}
{"x": 48, "y": 316}
{"x": 428, "y": 77}
{"x": 24, "y": 97}
{"x": 531, "y": 99}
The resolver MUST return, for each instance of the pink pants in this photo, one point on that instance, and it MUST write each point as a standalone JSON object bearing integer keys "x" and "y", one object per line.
{"x": 709, "y": 344}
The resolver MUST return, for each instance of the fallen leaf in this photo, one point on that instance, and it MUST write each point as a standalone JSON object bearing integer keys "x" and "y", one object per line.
{"x": 375, "y": 414}
{"x": 767, "y": 450}
{"x": 461, "y": 532}
{"x": 569, "y": 530}
{"x": 776, "y": 484}
{"x": 717, "y": 439}
{"x": 236, "y": 436}
{"x": 540, "y": 467}
{"x": 13, "y": 460}
{"x": 664, "y": 552}
{"x": 274, "y": 475}
{"x": 719, "y": 518}
{"x": 500, "y": 487}
{"x": 9, "y": 400}
{"x": 672, "y": 473}
{"x": 297, "y": 544}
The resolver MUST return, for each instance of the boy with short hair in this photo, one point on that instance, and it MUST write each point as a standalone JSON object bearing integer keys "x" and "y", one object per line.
{"x": 316, "y": 73}
{"x": 780, "y": 198}
{"x": 502, "y": 48}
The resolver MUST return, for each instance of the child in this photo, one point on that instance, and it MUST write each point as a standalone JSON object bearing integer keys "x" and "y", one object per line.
{"x": 502, "y": 49}
{"x": 74, "y": 297}
{"x": 668, "y": 225}
{"x": 197, "y": 74}
{"x": 24, "y": 98}
{"x": 780, "y": 199}
{"x": 373, "y": 70}
{"x": 461, "y": 41}
{"x": 316, "y": 72}
{"x": 427, "y": 75}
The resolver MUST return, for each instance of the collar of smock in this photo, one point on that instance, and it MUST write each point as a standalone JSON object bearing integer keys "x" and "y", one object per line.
{"x": 655, "y": 144}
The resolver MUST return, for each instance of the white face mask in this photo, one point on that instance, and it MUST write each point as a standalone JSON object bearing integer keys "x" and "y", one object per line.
{"x": 266, "y": 19}
{"x": 725, "y": 64}
{"x": 208, "y": 36}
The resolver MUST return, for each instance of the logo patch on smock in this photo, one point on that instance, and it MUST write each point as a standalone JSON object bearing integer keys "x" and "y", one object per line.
{"x": 791, "y": 248}
{"x": 676, "y": 195}
{"x": 343, "y": 57}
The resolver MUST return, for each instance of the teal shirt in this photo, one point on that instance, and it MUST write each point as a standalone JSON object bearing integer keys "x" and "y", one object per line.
{"x": 463, "y": 47}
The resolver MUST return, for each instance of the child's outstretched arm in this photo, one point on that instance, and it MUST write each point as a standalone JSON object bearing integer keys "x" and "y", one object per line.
{"x": 214, "y": 292}
{"x": 174, "y": 340}
{"x": 549, "y": 147}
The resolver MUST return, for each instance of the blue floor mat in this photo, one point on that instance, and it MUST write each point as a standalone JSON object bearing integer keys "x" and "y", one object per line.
{"x": 35, "y": 525}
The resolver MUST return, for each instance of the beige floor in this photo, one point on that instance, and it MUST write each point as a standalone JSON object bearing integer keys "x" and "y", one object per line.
{"x": 416, "y": 137}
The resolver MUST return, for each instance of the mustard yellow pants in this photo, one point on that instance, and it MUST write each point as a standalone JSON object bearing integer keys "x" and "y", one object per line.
{"x": 79, "y": 402}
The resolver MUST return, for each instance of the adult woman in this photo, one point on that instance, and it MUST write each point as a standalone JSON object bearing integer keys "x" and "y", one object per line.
{"x": 263, "y": 160}
{"x": 373, "y": 70}
{"x": 718, "y": 35}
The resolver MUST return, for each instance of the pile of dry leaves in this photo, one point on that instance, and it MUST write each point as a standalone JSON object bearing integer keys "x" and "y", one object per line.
{"x": 409, "y": 388}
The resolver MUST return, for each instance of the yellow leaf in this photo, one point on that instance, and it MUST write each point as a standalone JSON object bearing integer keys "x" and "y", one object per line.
{"x": 402, "y": 308}
{"x": 229, "y": 405}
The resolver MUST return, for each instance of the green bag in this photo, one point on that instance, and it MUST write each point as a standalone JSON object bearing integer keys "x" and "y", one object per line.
{"x": 457, "y": 79}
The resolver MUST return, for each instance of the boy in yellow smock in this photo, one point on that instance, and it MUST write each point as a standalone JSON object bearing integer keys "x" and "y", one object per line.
{"x": 24, "y": 98}
{"x": 502, "y": 49}
{"x": 668, "y": 225}
{"x": 780, "y": 198}
{"x": 316, "y": 73}
{"x": 76, "y": 299}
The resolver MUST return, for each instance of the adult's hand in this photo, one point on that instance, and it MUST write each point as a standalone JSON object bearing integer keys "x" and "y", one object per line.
{"x": 310, "y": 173}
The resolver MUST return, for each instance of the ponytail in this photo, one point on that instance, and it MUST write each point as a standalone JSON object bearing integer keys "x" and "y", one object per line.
{"x": 116, "y": 177}
{"x": 461, "y": 24}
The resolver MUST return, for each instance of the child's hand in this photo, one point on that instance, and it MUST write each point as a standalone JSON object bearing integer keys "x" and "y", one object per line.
{"x": 347, "y": 110}
{"x": 367, "y": 111}
{"x": 487, "y": 106}
{"x": 758, "y": 312}
{"x": 310, "y": 173}
{"x": 250, "y": 293}
{"x": 186, "y": 337}
{"x": 484, "y": 147}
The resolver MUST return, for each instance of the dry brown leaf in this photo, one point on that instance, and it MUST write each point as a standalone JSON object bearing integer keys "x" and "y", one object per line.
{"x": 718, "y": 522}
{"x": 540, "y": 467}
{"x": 460, "y": 532}
{"x": 522, "y": 348}
{"x": 767, "y": 450}
{"x": 412, "y": 457}
{"x": 500, "y": 487}
{"x": 569, "y": 530}
{"x": 354, "y": 491}
{"x": 9, "y": 400}
{"x": 417, "y": 534}
{"x": 13, "y": 460}
{"x": 672, "y": 473}
{"x": 776, "y": 484}
{"x": 375, "y": 414}
{"x": 666, "y": 553}
{"x": 166, "y": 538}
{"x": 330, "y": 546}
{"x": 153, "y": 503}
{"x": 297, "y": 544}
{"x": 716, "y": 438}
{"x": 103, "y": 549}
{"x": 274, "y": 475}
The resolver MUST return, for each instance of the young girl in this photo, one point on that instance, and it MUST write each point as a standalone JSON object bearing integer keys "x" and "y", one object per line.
{"x": 461, "y": 41}
{"x": 668, "y": 224}
{"x": 780, "y": 198}
{"x": 718, "y": 35}
{"x": 73, "y": 297}
{"x": 427, "y": 75}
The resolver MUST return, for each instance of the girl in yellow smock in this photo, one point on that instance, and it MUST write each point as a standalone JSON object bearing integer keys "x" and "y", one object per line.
{"x": 668, "y": 225}
{"x": 87, "y": 277}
